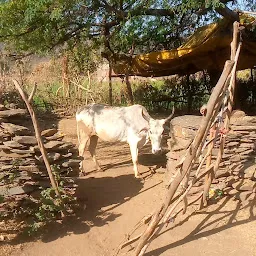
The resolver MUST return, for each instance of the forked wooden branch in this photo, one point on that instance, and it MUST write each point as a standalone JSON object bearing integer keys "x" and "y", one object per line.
{"x": 38, "y": 137}
{"x": 32, "y": 93}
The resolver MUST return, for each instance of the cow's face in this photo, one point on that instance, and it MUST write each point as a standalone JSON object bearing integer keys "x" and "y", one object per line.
{"x": 156, "y": 129}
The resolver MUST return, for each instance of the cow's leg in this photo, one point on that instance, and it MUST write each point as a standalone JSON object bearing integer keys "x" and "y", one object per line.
{"x": 81, "y": 149}
{"x": 134, "y": 153}
{"x": 92, "y": 148}
{"x": 83, "y": 139}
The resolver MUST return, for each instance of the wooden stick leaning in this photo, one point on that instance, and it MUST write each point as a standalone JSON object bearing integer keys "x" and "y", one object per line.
{"x": 39, "y": 138}
{"x": 187, "y": 164}
{"x": 235, "y": 51}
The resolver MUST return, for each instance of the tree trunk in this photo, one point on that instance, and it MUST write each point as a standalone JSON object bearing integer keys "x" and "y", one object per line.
{"x": 110, "y": 91}
{"x": 190, "y": 95}
{"x": 65, "y": 77}
{"x": 128, "y": 90}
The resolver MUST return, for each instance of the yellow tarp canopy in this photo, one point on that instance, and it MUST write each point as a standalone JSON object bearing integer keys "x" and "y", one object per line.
{"x": 208, "y": 48}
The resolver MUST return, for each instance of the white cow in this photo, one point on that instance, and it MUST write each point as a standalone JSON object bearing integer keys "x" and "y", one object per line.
{"x": 130, "y": 124}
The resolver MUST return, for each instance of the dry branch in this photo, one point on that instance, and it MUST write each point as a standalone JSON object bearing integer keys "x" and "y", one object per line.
{"x": 209, "y": 176}
{"x": 212, "y": 120}
{"x": 32, "y": 93}
{"x": 190, "y": 158}
{"x": 39, "y": 139}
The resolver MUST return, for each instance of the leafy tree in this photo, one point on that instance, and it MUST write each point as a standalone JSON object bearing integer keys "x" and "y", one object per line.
{"x": 110, "y": 26}
{"x": 122, "y": 26}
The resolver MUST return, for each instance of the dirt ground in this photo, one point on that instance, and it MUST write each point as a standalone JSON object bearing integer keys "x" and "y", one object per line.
{"x": 114, "y": 202}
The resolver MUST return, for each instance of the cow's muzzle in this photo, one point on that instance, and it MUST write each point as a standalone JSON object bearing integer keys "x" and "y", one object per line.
{"x": 157, "y": 151}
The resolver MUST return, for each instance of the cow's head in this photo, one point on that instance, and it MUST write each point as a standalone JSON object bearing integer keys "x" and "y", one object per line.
{"x": 155, "y": 132}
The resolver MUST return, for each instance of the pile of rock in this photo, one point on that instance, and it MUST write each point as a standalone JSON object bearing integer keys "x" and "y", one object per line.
{"x": 237, "y": 169}
{"x": 22, "y": 170}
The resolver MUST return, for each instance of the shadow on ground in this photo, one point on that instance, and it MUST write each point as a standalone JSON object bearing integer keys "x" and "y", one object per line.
{"x": 93, "y": 194}
{"x": 213, "y": 222}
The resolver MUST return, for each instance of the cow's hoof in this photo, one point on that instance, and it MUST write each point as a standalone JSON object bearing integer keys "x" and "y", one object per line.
{"x": 139, "y": 176}
{"x": 82, "y": 174}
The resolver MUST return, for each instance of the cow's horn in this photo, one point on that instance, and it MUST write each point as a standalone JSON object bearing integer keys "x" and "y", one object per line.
{"x": 145, "y": 114}
{"x": 170, "y": 116}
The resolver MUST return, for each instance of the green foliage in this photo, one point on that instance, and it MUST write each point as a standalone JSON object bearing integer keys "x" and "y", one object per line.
{"x": 84, "y": 57}
{"x": 49, "y": 207}
{"x": 9, "y": 176}
{"x": 187, "y": 95}
{"x": 39, "y": 26}
{"x": 216, "y": 193}
{"x": 36, "y": 211}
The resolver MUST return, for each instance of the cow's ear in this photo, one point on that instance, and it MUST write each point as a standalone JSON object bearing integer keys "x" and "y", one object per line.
{"x": 143, "y": 131}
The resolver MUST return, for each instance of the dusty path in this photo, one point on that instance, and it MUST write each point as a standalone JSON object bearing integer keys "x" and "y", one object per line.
{"x": 115, "y": 201}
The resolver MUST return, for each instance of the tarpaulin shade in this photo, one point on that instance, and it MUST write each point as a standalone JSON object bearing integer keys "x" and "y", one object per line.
{"x": 208, "y": 48}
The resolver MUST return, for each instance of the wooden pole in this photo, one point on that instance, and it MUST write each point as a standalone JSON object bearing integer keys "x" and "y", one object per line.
{"x": 209, "y": 177}
{"x": 38, "y": 137}
{"x": 235, "y": 51}
{"x": 110, "y": 90}
{"x": 190, "y": 157}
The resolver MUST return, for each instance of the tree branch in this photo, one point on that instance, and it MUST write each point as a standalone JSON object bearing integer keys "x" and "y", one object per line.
{"x": 227, "y": 13}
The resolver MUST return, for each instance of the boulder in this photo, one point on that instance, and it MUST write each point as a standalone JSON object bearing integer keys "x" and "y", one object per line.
{"x": 249, "y": 172}
{"x": 5, "y": 148}
{"x": 52, "y": 157}
{"x": 241, "y": 150}
{"x": 235, "y": 158}
{"x": 231, "y": 192}
{"x": 244, "y": 128}
{"x": 185, "y": 126}
{"x": 13, "y": 144}
{"x": 53, "y": 145}
{"x": 49, "y": 132}
{"x": 2, "y": 107}
{"x": 65, "y": 146}
{"x": 22, "y": 151}
{"x": 28, "y": 168}
{"x": 14, "y": 129}
{"x": 71, "y": 163}
{"x": 7, "y": 191}
{"x": 13, "y": 113}
{"x": 67, "y": 155}
{"x": 247, "y": 145}
{"x": 232, "y": 144}
{"x": 177, "y": 143}
{"x": 222, "y": 173}
{"x": 55, "y": 137}
{"x": 26, "y": 140}
{"x": 244, "y": 185}
{"x": 243, "y": 196}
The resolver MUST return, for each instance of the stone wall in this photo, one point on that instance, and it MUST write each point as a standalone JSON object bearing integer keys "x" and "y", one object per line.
{"x": 237, "y": 169}
{"x": 22, "y": 171}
